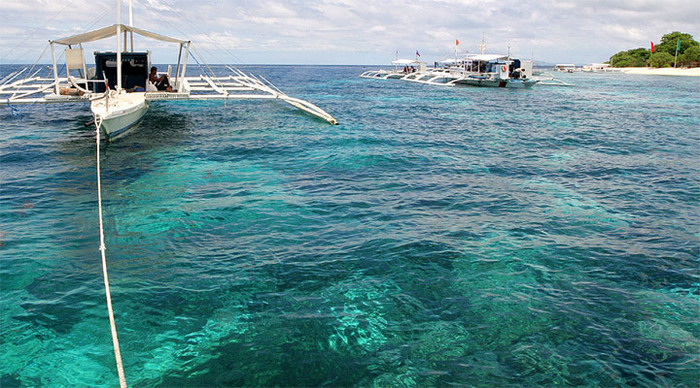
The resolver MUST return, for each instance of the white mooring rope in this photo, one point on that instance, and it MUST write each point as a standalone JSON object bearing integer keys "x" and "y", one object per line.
{"x": 115, "y": 340}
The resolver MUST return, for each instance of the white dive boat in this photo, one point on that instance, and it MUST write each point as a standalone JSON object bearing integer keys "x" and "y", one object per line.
{"x": 487, "y": 70}
{"x": 565, "y": 67}
{"x": 400, "y": 68}
{"x": 493, "y": 70}
{"x": 600, "y": 68}
{"x": 118, "y": 87}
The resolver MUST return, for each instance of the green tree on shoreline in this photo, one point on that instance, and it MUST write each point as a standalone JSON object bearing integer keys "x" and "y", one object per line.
{"x": 631, "y": 58}
{"x": 662, "y": 59}
{"x": 664, "y": 55}
{"x": 691, "y": 57}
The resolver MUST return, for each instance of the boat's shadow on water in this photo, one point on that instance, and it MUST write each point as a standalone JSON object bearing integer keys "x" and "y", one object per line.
{"x": 161, "y": 130}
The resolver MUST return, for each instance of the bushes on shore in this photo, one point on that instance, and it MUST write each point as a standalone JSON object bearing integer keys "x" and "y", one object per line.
{"x": 664, "y": 53}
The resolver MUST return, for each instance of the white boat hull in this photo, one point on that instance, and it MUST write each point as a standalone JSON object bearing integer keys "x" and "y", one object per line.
{"x": 382, "y": 74}
{"x": 494, "y": 82}
{"x": 119, "y": 115}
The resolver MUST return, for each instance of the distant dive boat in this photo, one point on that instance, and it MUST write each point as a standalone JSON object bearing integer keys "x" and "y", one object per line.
{"x": 487, "y": 70}
{"x": 399, "y": 69}
{"x": 565, "y": 67}
{"x": 493, "y": 70}
{"x": 600, "y": 68}
{"x": 118, "y": 86}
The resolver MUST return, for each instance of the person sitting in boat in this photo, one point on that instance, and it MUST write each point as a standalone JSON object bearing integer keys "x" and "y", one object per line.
{"x": 161, "y": 83}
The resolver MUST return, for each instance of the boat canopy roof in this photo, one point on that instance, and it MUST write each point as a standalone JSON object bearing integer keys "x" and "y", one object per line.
{"x": 108, "y": 32}
{"x": 486, "y": 57}
{"x": 405, "y": 61}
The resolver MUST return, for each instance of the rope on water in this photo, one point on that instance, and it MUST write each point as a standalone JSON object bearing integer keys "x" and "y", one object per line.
{"x": 115, "y": 340}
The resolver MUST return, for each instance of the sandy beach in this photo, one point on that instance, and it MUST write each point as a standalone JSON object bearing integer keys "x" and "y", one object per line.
{"x": 693, "y": 72}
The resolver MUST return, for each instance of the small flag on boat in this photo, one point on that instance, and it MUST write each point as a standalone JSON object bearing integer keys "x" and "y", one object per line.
{"x": 652, "y": 47}
{"x": 457, "y": 43}
{"x": 417, "y": 53}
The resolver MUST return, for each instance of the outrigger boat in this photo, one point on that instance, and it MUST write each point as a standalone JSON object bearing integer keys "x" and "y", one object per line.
{"x": 400, "y": 68}
{"x": 566, "y": 67}
{"x": 487, "y": 70}
{"x": 118, "y": 87}
{"x": 493, "y": 70}
{"x": 600, "y": 68}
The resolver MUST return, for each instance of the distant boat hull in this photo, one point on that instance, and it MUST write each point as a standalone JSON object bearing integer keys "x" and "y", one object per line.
{"x": 383, "y": 74}
{"x": 119, "y": 115}
{"x": 495, "y": 82}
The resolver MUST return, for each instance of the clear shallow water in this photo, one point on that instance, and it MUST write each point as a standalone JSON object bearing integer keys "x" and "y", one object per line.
{"x": 437, "y": 237}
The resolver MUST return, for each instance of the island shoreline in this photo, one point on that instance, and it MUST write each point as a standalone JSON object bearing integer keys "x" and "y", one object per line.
{"x": 670, "y": 71}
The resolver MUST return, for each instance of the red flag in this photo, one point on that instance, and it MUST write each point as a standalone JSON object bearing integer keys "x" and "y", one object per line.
{"x": 457, "y": 42}
{"x": 653, "y": 49}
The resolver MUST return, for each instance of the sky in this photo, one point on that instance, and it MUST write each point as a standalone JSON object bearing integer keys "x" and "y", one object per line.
{"x": 356, "y": 32}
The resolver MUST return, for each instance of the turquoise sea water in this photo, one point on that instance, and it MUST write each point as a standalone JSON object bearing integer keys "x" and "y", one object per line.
{"x": 436, "y": 237}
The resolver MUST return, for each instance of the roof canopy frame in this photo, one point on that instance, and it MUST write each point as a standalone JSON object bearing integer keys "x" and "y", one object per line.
{"x": 405, "y": 62}
{"x": 116, "y": 30}
{"x": 110, "y": 31}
